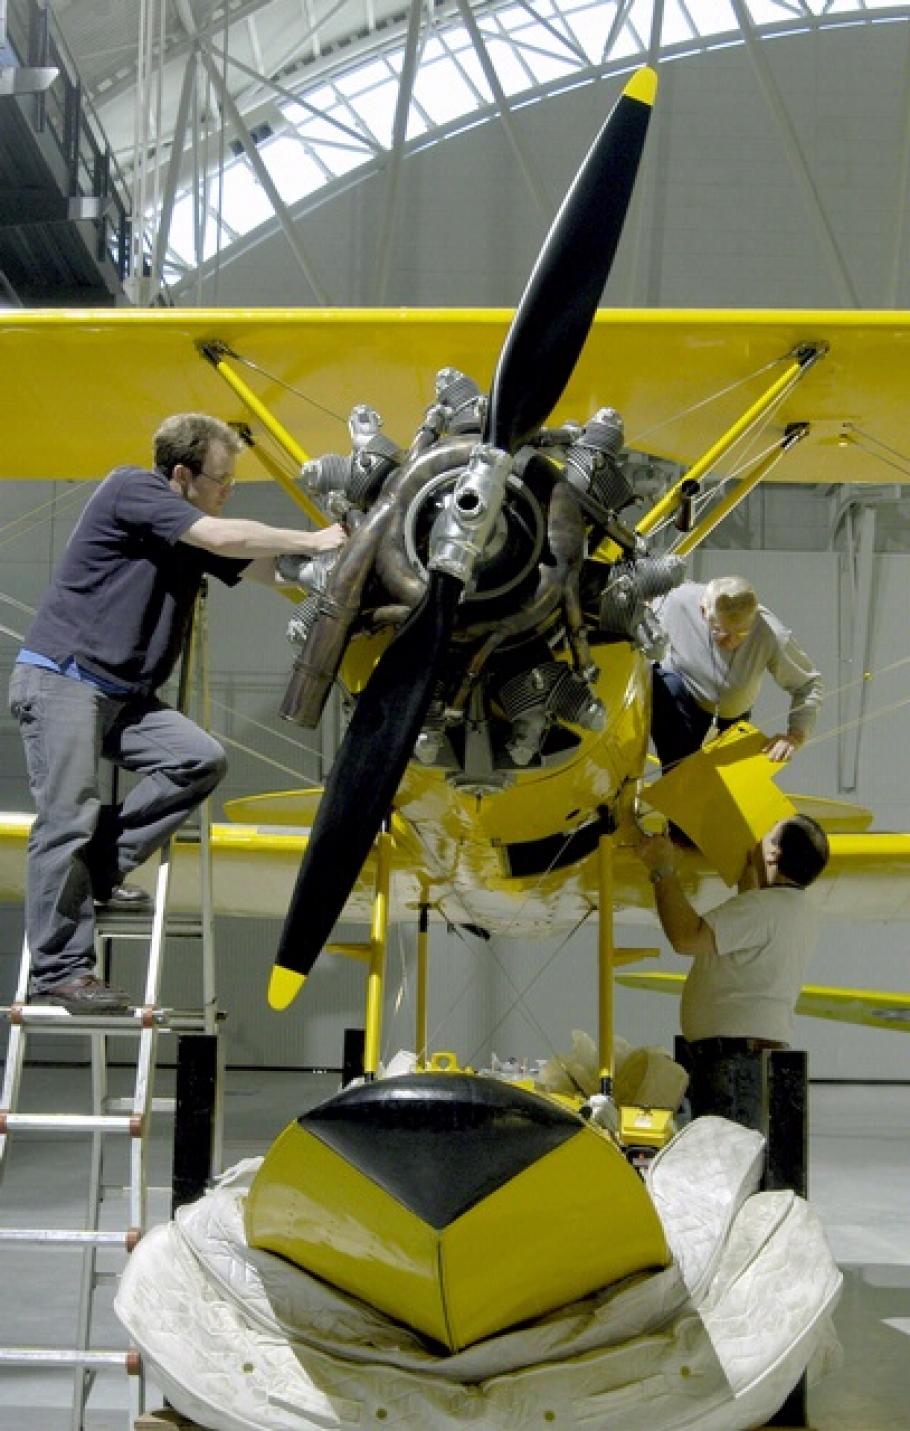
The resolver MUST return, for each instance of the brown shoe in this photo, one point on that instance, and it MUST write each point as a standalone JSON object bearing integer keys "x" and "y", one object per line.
{"x": 86, "y": 994}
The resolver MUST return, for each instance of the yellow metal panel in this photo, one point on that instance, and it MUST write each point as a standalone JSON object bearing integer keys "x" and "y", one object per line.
{"x": 646, "y": 1127}
{"x": 518, "y": 1253}
{"x": 577, "y": 1220}
{"x": 341, "y": 1226}
{"x": 724, "y": 798}
{"x": 129, "y": 369}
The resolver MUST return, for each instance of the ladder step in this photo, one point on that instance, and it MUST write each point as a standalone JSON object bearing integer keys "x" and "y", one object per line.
{"x": 130, "y": 1360}
{"x": 54, "y": 1019}
{"x": 125, "y": 1105}
{"x": 117, "y": 924}
{"x": 68, "y": 1123}
{"x": 67, "y": 1236}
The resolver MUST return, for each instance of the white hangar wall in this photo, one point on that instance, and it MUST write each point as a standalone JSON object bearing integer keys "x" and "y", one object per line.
{"x": 780, "y": 188}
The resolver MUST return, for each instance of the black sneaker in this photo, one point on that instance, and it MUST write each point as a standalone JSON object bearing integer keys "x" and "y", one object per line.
{"x": 125, "y": 899}
{"x": 85, "y": 994}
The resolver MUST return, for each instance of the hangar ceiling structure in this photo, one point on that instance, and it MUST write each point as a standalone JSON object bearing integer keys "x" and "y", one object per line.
{"x": 231, "y": 122}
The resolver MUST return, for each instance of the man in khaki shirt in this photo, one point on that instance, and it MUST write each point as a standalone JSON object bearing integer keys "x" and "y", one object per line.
{"x": 749, "y": 955}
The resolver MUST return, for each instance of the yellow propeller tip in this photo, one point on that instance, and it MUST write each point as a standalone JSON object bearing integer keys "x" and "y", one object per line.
{"x": 642, "y": 86}
{"x": 284, "y": 986}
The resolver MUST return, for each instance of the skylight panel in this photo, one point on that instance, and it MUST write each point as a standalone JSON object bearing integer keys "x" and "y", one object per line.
{"x": 340, "y": 160}
{"x": 548, "y": 67}
{"x": 511, "y": 73}
{"x": 318, "y": 131}
{"x": 365, "y": 77}
{"x": 712, "y": 17}
{"x": 469, "y": 62}
{"x": 294, "y": 171}
{"x": 180, "y": 236}
{"x": 543, "y": 53}
{"x": 513, "y": 19}
{"x": 433, "y": 49}
{"x": 625, "y": 45}
{"x": 245, "y": 203}
{"x": 321, "y": 130}
{"x": 769, "y": 12}
{"x": 324, "y": 98}
{"x": 641, "y": 19}
{"x": 591, "y": 26}
{"x": 182, "y": 239}
{"x": 377, "y": 110}
{"x": 458, "y": 42}
{"x": 676, "y": 29}
{"x": 443, "y": 91}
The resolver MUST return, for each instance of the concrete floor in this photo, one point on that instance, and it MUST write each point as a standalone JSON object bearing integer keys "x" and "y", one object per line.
{"x": 859, "y": 1183}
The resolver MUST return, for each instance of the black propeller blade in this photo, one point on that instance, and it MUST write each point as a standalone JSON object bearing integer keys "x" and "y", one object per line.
{"x": 558, "y": 305}
{"x": 541, "y": 349}
{"x": 365, "y": 775}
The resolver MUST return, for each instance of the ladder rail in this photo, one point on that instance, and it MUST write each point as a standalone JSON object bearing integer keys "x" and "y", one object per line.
{"x": 15, "y": 1057}
{"x": 83, "y": 1377}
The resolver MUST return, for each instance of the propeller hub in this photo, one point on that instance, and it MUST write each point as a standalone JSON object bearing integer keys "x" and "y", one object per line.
{"x": 463, "y": 529}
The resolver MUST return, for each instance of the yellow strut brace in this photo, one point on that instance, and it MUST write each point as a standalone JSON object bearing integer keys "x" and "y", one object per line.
{"x": 605, "y": 959}
{"x": 802, "y": 362}
{"x": 215, "y": 356}
{"x": 423, "y": 944}
{"x": 737, "y": 494}
{"x": 379, "y": 926}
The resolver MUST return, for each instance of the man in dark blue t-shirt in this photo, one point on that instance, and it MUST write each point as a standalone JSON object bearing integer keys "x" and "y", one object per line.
{"x": 106, "y": 637}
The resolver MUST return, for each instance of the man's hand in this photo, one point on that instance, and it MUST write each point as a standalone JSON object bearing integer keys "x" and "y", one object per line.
{"x": 782, "y": 747}
{"x": 326, "y": 539}
{"x": 656, "y": 852}
{"x": 683, "y": 926}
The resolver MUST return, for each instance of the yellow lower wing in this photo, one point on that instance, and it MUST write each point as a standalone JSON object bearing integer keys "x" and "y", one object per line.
{"x": 873, "y": 1007}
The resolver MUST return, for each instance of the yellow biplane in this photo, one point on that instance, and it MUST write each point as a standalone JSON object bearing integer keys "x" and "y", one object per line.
{"x": 532, "y": 736}
{"x": 489, "y": 621}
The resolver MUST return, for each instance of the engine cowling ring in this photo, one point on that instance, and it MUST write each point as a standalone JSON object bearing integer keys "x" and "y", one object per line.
{"x": 515, "y": 547}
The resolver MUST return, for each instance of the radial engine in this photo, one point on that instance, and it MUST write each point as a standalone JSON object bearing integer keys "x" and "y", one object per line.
{"x": 521, "y": 533}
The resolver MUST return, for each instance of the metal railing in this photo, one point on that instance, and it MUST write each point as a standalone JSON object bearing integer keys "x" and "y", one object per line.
{"x": 65, "y": 114}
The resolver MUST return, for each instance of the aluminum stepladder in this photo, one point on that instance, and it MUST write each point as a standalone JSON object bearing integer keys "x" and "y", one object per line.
{"x": 128, "y": 1117}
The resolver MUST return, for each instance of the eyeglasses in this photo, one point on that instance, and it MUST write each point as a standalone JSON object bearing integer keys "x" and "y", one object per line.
{"x": 226, "y": 482}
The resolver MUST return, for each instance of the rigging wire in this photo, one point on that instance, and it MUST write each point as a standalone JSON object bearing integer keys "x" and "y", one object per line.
{"x": 236, "y": 713}
{"x": 903, "y": 466}
{"x": 668, "y": 421}
{"x": 870, "y": 437}
{"x": 288, "y": 387}
{"x": 521, "y": 994}
{"x": 13, "y": 530}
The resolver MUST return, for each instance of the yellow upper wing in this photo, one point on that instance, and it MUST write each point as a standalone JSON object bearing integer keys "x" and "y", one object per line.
{"x": 114, "y": 374}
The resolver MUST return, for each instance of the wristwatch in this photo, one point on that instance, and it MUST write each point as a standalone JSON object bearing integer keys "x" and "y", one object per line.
{"x": 656, "y": 875}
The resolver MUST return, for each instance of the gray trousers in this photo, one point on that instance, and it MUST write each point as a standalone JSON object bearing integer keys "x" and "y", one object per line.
{"x": 79, "y": 847}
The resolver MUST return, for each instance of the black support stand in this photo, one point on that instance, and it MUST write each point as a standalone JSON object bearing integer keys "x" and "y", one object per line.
{"x": 786, "y": 1110}
{"x": 194, "y": 1117}
{"x": 352, "y": 1055}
